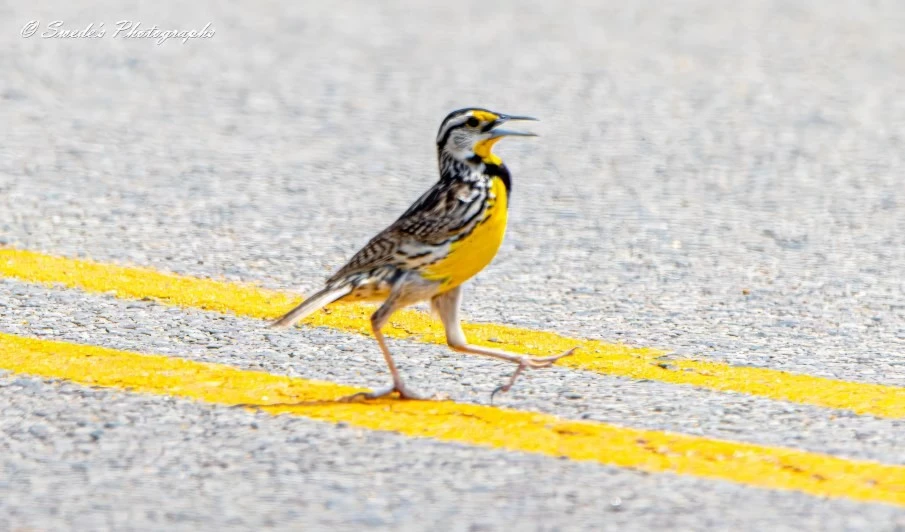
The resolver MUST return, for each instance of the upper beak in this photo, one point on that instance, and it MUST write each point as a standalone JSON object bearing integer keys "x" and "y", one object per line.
{"x": 508, "y": 132}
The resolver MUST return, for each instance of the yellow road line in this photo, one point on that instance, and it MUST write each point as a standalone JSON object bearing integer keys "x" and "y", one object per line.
{"x": 648, "y": 450}
{"x": 593, "y": 355}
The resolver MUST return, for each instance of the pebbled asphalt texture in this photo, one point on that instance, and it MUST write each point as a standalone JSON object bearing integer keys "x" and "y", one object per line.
{"x": 723, "y": 181}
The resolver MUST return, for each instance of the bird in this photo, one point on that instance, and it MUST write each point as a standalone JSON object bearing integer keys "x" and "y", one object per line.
{"x": 452, "y": 232}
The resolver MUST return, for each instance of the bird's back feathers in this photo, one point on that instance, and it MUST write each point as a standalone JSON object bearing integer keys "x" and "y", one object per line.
{"x": 450, "y": 209}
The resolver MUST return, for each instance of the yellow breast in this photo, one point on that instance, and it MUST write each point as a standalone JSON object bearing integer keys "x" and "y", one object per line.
{"x": 473, "y": 253}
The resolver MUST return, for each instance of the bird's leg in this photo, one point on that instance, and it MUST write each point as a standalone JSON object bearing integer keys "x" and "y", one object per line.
{"x": 378, "y": 320}
{"x": 524, "y": 362}
{"x": 398, "y": 386}
{"x": 447, "y": 307}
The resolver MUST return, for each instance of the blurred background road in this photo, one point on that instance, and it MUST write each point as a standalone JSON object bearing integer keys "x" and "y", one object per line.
{"x": 723, "y": 180}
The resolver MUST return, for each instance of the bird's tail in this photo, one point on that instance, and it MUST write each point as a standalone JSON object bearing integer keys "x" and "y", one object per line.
{"x": 312, "y": 304}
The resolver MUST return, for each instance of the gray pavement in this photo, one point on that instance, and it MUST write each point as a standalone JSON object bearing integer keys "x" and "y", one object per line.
{"x": 97, "y": 460}
{"x": 322, "y": 354}
{"x": 719, "y": 180}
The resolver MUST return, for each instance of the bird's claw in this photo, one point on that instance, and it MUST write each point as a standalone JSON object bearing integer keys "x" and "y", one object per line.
{"x": 529, "y": 363}
{"x": 401, "y": 391}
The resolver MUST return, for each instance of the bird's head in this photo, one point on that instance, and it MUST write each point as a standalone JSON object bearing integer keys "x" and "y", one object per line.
{"x": 468, "y": 135}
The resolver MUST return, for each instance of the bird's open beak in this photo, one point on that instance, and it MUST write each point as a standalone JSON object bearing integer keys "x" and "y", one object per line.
{"x": 497, "y": 132}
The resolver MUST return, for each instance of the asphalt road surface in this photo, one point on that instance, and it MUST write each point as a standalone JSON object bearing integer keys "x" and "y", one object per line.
{"x": 720, "y": 180}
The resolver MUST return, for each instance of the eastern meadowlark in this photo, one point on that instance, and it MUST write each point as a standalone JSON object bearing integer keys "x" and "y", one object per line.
{"x": 446, "y": 237}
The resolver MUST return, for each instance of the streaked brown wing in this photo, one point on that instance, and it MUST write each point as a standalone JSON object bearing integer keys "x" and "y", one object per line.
{"x": 439, "y": 215}
{"x": 380, "y": 251}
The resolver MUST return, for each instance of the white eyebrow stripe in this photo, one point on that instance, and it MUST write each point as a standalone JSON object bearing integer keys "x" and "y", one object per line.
{"x": 451, "y": 123}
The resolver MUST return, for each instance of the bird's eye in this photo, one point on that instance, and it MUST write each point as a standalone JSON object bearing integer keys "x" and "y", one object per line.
{"x": 472, "y": 122}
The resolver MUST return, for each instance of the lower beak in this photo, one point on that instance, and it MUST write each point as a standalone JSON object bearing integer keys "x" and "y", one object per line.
{"x": 497, "y": 133}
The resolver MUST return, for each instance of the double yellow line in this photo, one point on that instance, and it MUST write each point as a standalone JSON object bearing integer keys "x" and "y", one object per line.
{"x": 654, "y": 451}
{"x": 593, "y": 355}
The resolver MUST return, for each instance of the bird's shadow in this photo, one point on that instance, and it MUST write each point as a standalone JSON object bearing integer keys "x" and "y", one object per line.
{"x": 329, "y": 402}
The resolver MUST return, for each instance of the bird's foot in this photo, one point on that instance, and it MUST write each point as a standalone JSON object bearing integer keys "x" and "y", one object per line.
{"x": 526, "y": 362}
{"x": 397, "y": 389}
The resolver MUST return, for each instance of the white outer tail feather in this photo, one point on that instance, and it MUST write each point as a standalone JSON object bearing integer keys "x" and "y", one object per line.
{"x": 311, "y": 305}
